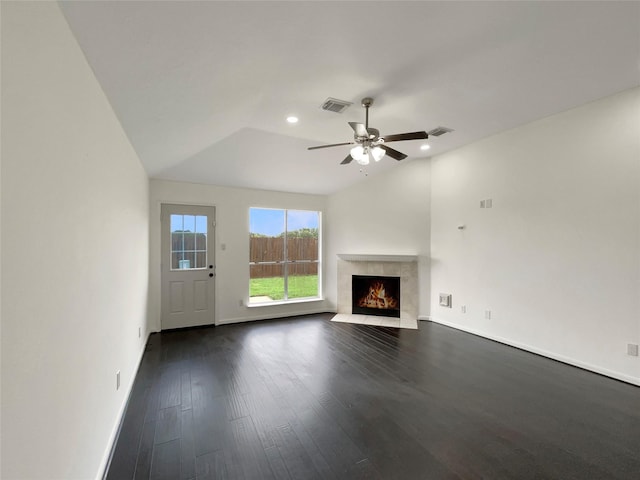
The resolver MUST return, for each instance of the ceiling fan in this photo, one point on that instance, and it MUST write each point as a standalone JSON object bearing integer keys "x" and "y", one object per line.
{"x": 369, "y": 144}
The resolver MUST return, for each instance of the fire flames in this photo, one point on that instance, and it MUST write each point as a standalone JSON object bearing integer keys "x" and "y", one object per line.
{"x": 377, "y": 298}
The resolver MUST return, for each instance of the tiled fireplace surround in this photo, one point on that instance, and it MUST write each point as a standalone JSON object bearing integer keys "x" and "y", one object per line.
{"x": 403, "y": 266}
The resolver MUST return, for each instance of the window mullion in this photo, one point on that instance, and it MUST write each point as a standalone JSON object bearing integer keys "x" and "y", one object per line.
{"x": 285, "y": 270}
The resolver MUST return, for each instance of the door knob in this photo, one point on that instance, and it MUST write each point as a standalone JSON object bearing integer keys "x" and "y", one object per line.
{"x": 211, "y": 274}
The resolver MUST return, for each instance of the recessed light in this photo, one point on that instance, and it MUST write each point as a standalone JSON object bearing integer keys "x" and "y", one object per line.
{"x": 425, "y": 147}
{"x": 292, "y": 119}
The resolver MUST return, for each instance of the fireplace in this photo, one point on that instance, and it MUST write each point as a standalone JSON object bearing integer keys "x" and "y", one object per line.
{"x": 375, "y": 295}
{"x": 402, "y": 267}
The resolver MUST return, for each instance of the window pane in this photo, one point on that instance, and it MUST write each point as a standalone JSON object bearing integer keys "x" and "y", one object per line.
{"x": 201, "y": 259}
{"x": 266, "y": 283}
{"x": 266, "y": 231}
{"x": 266, "y": 222}
{"x": 176, "y": 258}
{"x": 302, "y": 280}
{"x": 186, "y": 241}
{"x": 200, "y": 232}
{"x": 189, "y": 241}
{"x": 177, "y": 241}
{"x": 201, "y": 224}
{"x": 189, "y": 223}
{"x": 176, "y": 223}
{"x": 303, "y": 268}
{"x": 302, "y": 235}
{"x": 302, "y": 248}
{"x": 189, "y": 260}
{"x": 303, "y": 221}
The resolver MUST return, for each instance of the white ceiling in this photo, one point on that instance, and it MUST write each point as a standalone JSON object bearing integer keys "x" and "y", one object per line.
{"x": 202, "y": 89}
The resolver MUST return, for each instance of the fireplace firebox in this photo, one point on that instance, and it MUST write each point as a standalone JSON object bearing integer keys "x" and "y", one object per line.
{"x": 375, "y": 295}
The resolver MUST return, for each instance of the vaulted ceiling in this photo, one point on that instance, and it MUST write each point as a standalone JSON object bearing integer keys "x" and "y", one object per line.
{"x": 202, "y": 89}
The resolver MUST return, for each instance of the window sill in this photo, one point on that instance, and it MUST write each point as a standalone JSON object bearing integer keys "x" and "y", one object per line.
{"x": 284, "y": 302}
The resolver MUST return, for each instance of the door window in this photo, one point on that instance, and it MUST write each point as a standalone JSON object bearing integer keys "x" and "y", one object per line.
{"x": 188, "y": 242}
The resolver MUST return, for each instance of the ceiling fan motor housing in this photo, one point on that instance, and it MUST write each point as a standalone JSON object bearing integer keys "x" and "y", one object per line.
{"x": 374, "y": 135}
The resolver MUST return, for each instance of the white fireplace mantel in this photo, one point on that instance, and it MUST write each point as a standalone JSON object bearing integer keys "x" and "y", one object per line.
{"x": 357, "y": 257}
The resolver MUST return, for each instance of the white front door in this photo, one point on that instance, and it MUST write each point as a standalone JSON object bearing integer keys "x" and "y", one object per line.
{"x": 188, "y": 266}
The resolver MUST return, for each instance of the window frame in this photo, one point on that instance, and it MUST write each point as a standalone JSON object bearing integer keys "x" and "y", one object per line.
{"x": 286, "y": 263}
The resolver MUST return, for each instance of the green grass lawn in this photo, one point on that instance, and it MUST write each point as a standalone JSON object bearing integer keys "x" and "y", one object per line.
{"x": 300, "y": 286}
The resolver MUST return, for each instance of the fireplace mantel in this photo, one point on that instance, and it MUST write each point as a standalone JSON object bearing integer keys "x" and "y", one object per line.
{"x": 356, "y": 257}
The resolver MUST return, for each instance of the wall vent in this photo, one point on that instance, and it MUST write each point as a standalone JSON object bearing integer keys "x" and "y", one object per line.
{"x": 335, "y": 105}
{"x": 436, "y": 132}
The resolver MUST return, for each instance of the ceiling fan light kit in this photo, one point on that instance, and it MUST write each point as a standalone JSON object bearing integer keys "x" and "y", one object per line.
{"x": 364, "y": 155}
{"x": 369, "y": 145}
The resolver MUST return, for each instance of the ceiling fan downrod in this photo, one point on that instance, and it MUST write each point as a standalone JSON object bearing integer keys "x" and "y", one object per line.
{"x": 366, "y": 103}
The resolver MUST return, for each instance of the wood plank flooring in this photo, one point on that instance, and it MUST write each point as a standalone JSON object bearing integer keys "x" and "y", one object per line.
{"x": 306, "y": 398}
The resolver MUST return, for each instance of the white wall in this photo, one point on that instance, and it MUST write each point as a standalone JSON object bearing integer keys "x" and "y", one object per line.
{"x": 232, "y": 230}
{"x": 557, "y": 258}
{"x": 74, "y": 253}
{"x": 384, "y": 214}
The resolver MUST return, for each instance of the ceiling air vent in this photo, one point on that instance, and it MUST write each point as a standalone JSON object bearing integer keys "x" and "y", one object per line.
{"x": 436, "y": 132}
{"x": 335, "y": 105}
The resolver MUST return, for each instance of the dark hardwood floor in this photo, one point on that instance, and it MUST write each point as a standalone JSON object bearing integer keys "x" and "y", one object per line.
{"x": 305, "y": 398}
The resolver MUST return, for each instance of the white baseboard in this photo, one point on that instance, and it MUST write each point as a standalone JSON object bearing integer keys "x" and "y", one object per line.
{"x": 271, "y": 316}
{"x": 113, "y": 438}
{"x": 554, "y": 356}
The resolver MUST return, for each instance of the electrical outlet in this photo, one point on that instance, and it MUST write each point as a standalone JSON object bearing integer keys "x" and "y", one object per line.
{"x": 487, "y": 314}
{"x": 632, "y": 349}
{"x": 463, "y": 308}
{"x": 488, "y": 203}
{"x": 118, "y": 380}
{"x": 241, "y": 303}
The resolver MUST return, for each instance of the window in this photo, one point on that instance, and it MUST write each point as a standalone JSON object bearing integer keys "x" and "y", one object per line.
{"x": 283, "y": 255}
{"x": 188, "y": 242}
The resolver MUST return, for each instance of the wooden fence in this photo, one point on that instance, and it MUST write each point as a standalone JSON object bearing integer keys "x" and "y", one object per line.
{"x": 271, "y": 249}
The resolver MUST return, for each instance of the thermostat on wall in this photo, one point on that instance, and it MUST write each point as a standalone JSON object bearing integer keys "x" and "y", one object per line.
{"x": 445, "y": 300}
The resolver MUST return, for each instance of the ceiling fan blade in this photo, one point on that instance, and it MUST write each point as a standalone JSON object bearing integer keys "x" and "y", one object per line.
{"x": 406, "y": 136}
{"x": 346, "y": 160}
{"x": 332, "y": 145}
{"x": 395, "y": 154}
{"x": 360, "y": 129}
